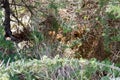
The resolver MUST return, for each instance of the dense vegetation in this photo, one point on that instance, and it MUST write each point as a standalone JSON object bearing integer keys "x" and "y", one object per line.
{"x": 60, "y": 40}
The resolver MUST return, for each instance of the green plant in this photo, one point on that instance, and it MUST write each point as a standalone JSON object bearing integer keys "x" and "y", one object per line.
{"x": 56, "y": 68}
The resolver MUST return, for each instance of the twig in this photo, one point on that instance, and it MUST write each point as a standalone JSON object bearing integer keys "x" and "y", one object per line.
{"x": 27, "y": 7}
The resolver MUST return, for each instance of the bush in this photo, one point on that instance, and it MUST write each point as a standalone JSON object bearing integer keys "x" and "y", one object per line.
{"x": 57, "y": 68}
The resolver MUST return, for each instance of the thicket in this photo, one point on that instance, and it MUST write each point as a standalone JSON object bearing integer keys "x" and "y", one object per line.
{"x": 84, "y": 33}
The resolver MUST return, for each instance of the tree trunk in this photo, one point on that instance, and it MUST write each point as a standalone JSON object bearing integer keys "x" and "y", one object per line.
{"x": 6, "y": 23}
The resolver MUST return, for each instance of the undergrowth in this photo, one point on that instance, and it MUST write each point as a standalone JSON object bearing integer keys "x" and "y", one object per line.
{"x": 58, "y": 69}
{"x": 74, "y": 29}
